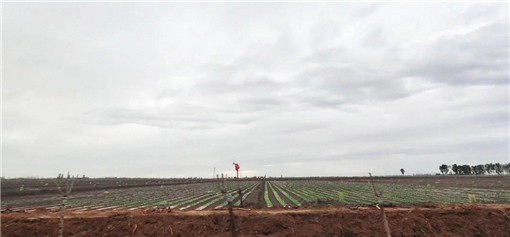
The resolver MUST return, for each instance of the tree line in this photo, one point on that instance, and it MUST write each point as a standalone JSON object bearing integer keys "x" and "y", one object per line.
{"x": 490, "y": 168}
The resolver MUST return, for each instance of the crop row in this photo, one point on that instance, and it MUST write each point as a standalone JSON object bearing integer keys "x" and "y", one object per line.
{"x": 296, "y": 193}
{"x": 199, "y": 195}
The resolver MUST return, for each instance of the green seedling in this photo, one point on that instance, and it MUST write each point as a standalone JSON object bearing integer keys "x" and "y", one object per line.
{"x": 162, "y": 203}
{"x": 471, "y": 198}
{"x": 341, "y": 196}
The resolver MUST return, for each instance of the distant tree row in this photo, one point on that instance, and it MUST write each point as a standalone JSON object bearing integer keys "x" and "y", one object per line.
{"x": 491, "y": 168}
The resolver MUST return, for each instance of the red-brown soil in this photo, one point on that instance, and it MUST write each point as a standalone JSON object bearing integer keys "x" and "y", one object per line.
{"x": 431, "y": 220}
{"x": 255, "y": 196}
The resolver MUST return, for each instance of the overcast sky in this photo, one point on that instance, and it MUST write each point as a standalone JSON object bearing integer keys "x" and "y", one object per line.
{"x": 173, "y": 90}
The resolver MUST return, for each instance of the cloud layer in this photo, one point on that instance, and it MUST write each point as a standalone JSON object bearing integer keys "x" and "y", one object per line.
{"x": 165, "y": 90}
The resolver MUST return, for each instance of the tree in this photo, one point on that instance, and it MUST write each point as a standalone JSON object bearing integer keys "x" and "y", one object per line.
{"x": 478, "y": 169}
{"x": 455, "y": 169}
{"x": 490, "y": 168}
{"x": 506, "y": 168}
{"x": 444, "y": 169}
{"x": 498, "y": 168}
{"x": 64, "y": 186}
{"x": 402, "y": 171}
{"x": 465, "y": 169}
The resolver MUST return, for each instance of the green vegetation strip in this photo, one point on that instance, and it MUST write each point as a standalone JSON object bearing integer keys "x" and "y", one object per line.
{"x": 245, "y": 195}
{"x": 278, "y": 198}
{"x": 292, "y": 199}
{"x": 266, "y": 196}
{"x": 223, "y": 204}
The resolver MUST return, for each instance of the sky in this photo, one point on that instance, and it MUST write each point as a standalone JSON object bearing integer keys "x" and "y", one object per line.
{"x": 284, "y": 89}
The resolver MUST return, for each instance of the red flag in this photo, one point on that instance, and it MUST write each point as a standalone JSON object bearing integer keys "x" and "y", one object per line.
{"x": 236, "y": 166}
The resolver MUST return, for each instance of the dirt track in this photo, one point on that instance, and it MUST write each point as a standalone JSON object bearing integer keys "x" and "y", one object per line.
{"x": 434, "y": 220}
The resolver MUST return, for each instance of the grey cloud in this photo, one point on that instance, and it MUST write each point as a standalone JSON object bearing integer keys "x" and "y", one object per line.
{"x": 325, "y": 55}
{"x": 375, "y": 38}
{"x": 319, "y": 89}
{"x": 478, "y": 57}
{"x": 366, "y": 11}
{"x": 335, "y": 85}
{"x": 483, "y": 11}
{"x": 196, "y": 117}
{"x": 497, "y": 118}
{"x": 261, "y": 104}
{"x": 247, "y": 84}
{"x": 302, "y": 128}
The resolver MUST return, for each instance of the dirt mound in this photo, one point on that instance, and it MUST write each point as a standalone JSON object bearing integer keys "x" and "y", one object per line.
{"x": 440, "y": 220}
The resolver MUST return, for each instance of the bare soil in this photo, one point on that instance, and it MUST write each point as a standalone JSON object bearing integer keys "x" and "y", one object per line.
{"x": 425, "y": 220}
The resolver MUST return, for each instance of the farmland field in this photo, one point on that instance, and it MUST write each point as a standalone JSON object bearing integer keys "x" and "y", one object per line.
{"x": 297, "y": 193}
{"x": 11, "y": 187}
{"x": 183, "y": 196}
{"x": 428, "y": 203}
{"x": 205, "y": 194}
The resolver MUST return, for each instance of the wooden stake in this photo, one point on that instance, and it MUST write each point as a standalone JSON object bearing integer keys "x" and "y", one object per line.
{"x": 228, "y": 198}
{"x": 381, "y": 207}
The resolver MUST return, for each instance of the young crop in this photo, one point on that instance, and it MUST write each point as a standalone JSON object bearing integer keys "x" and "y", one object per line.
{"x": 291, "y": 192}
{"x": 278, "y": 198}
{"x": 266, "y": 196}
{"x": 238, "y": 202}
{"x": 340, "y": 196}
{"x": 245, "y": 195}
{"x": 292, "y": 199}
{"x": 300, "y": 195}
{"x": 246, "y": 192}
{"x": 211, "y": 201}
{"x": 471, "y": 198}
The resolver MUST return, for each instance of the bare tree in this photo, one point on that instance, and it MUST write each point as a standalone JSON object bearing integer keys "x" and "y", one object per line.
{"x": 381, "y": 206}
{"x": 228, "y": 197}
{"x": 64, "y": 186}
